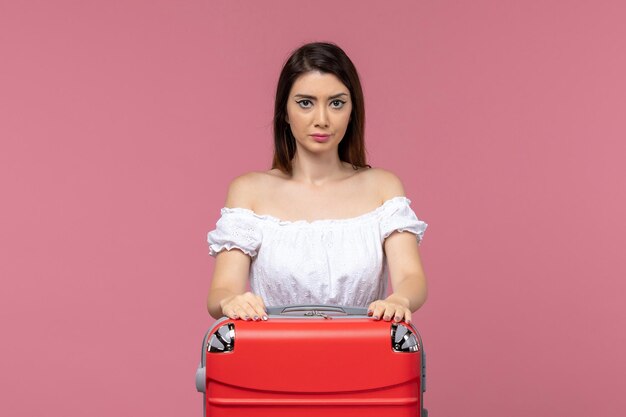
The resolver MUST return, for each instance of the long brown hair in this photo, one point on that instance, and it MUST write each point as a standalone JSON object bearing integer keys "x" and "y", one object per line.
{"x": 327, "y": 58}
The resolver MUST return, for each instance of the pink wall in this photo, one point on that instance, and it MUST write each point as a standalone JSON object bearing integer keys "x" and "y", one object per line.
{"x": 122, "y": 122}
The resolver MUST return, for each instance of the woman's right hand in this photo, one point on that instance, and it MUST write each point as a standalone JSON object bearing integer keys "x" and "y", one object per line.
{"x": 246, "y": 306}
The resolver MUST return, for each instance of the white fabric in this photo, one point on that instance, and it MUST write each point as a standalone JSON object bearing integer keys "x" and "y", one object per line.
{"x": 330, "y": 261}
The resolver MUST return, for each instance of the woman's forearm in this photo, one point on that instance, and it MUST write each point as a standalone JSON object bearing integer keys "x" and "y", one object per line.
{"x": 411, "y": 292}
{"x": 214, "y": 301}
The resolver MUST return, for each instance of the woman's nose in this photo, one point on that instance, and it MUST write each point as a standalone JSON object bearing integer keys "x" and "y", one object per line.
{"x": 321, "y": 117}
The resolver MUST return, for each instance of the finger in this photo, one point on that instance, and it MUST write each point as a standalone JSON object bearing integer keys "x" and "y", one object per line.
{"x": 401, "y": 314}
{"x": 407, "y": 316}
{"x": 252, "y": 308}
{"x": 244, "y": 310}
{"x": 262, "y": 308}
{"x": 250, "y": 312}
{"x": 256, "y": 311}
{"x": 231, "y": 314}
{"x": 241, "y": 313}
{"x": 389, "y": 313}
{"x": 259, "y": 311}
{"x": 257, "y": 306}
{"x": 371, "y": 307}
{"x": 261, "y": 302}
{"x": 378, "y": 311}
{"x": 234, "y": 308}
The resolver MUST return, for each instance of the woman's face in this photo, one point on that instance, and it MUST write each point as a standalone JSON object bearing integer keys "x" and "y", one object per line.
{"x": 318, "y": 103}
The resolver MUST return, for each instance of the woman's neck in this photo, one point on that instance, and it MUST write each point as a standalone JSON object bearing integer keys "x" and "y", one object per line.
{"x": 317, "y": 169}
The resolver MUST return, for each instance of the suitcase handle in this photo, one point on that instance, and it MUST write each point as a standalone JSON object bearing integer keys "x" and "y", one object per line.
{"x": 322, "y": 308}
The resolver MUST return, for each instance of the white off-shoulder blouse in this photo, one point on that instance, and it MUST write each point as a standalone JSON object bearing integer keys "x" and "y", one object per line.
{"x": 329, "y": 261}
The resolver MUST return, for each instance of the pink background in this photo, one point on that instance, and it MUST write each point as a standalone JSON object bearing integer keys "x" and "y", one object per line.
{"x": 122, "y": 122}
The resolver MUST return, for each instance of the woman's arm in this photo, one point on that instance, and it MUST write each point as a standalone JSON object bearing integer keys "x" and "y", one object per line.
{"x": 230, "y": 278}
{"x": 403, "y": 259}
{"x": 227, "y": 295}
{"x": 405, "y": 268}
{"x": 407, "y": 279}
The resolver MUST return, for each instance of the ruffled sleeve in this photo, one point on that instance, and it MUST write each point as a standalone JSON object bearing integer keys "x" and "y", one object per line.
{"x": 236, "y": 228}
{"x": 397, "y": 215}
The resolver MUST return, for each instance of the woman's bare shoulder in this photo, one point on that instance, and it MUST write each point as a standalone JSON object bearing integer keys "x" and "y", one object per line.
{"x": 386, "y": 181}
{"x": 244, "y": 190}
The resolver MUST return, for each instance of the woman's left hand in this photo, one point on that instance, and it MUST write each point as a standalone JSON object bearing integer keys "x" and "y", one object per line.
{"x": 388, "y": 310}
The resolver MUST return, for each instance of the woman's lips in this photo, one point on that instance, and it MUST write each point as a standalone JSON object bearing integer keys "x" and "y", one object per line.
{"x": 320, "y": 138}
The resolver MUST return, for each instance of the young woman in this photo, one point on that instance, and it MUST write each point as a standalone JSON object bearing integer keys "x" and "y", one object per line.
{"x": 321, "y": 226}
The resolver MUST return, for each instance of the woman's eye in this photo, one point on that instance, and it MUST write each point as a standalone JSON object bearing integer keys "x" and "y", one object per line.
{"x": 301, "y": 102}
{"x": 340, "y": 103}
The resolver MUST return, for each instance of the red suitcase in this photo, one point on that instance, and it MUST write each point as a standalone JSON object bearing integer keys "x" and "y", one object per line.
{"x": 314, "y": 360}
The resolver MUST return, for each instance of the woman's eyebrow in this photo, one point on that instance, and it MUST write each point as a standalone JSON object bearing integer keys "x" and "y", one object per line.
{"x": 315, "y": 98}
